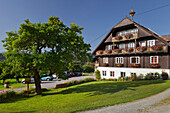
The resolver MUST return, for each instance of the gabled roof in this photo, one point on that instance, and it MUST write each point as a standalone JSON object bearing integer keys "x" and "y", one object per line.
{"x": 126, "y": 21}
{"x": 166, "y": 37}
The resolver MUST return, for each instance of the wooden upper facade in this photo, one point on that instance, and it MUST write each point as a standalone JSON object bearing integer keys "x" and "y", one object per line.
{"x": 129, "y": 44}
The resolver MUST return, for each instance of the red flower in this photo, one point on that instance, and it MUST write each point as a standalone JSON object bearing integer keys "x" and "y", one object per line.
{"x": 100, "y": 52}
{"x": 157, "y": 47}
{"x": 128, "y": 36}
{"x": 118, "y": 37}
{"x": 108, "y": 51}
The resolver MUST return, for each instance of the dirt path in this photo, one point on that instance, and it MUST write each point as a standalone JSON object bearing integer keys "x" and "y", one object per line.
{"x": 146, "y": 105}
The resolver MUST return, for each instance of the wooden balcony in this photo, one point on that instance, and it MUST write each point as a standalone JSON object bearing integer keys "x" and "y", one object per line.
{"x": 138, "y": 50}
{"x": 134, "y": 36}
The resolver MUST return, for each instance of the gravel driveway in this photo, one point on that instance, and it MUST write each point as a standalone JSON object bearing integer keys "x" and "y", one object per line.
{"x": 52, "y": 84}
{"x": 137, "y": 106}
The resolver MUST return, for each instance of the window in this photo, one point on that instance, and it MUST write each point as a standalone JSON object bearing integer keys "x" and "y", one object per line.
{"x": 132, "y": 31}
{"x": 150, "y": 43}
{"x": 121, "y": 46}
{"x": 104, "y": 73}
{"x": 119, "y": 60}
{"x": 143, "y": 43}
{"x": 112, "y": 73}
{"x": 109, "y": 47}
{"x": 105, "y": 60}
{"x": 131, "y": 45}
{"x": 133, "y": 74}
{"x": 154, "y": 59}
{"x": 122, "y": 74}
{"x": 135, "y": 60}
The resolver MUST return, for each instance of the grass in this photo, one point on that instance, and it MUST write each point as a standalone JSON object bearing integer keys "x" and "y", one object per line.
{"x": 87, "y": 74}
{"x": 13, "y": 84}
{"x": 85, "y": 96}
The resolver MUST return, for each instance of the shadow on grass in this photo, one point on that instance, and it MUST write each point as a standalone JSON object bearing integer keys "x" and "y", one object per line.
{"x": 16, "y": 98}
{"x": 21, "y": 97}
{"x": 104, "y": 88}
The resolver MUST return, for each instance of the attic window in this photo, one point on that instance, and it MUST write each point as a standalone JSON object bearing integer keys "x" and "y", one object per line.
{"x": 132, "y": 31}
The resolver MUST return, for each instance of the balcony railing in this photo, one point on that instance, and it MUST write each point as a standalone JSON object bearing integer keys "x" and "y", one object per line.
{"x": 133, "y": 50}
{"x": 125, "y": 37}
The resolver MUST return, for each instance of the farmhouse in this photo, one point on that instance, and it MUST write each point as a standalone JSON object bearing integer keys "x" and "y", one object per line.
{"x": 132, "y": 49}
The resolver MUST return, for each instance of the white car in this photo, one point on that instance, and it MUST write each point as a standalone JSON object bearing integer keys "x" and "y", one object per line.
{"x": 54, "y": 76}
{"x": 32, "y": 80}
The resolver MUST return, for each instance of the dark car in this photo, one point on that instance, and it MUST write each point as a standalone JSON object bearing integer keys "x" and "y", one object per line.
{"x": 70, "y": 74}
{"x": 78, "y": 73}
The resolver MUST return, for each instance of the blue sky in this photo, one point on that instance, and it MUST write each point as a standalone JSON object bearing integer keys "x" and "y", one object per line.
{"x": 96, "y": 16}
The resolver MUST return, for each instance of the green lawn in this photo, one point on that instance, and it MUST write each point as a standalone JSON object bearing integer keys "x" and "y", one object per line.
{"x": 13, "y": 84}
{"x": 85, "y": 96}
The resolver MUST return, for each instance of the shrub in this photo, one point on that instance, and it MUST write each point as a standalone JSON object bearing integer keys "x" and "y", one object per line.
{"x": 97, "y": 74}
{"x": 6, "y": 94}
{"x": 133, "y": 76}
{"x": 69, "y": 84}
{"x": 149, "y": 76}
{"x": 157, "y": 75}
{"x": 114, "y": 79}
{"x": 164, "y": 75}
{"x": 89, "y": 79}
{"x": 32, "y": 91}
{"x": 81, "y": 81}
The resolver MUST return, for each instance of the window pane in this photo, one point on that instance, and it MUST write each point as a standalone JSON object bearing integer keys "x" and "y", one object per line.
{"x": 133, "y": 60}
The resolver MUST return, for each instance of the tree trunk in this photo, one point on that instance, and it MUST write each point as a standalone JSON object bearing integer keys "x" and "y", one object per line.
{"x": 17, "y": 79}
{"x": 3, "y": 81}
{"x": 37, "y": 83}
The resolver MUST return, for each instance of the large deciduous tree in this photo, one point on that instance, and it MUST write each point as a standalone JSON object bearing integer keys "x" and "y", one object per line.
{"x": 38, "y": 48}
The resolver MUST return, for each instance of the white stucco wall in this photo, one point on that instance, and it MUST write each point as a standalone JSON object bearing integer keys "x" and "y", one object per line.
{"x": 128, "y": 71}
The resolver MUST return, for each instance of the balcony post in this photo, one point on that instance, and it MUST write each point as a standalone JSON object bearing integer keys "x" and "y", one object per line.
{"x": 135, "y": 45}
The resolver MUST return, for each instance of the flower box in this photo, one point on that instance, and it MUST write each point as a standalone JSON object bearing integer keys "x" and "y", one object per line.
{"x": 100, "y": 52}
{"x": 117, "y": 50}
{"x": 128, "y": 36}
{"x": 134, "y": 65}
{"x": 105, "y": 64}
{"x": 141, "y": 49}
{"x": 157, "y": 47}
{"x": 61, "y": 86}
{"x": 118, "y": 37}
{"x": 154, "y": 66}
{"x": 108, "y": 51}
{"x": 118, "y": 65}
{"x": 128, "y": 50}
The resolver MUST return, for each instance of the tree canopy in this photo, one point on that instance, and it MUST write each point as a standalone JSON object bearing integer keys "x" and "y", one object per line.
{"x": 38, "y": 48}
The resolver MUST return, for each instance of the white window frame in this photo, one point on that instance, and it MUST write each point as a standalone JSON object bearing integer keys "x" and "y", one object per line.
{"x": 112, "y": 73}
{"x": 154, "y": 60}
{"x": 105, "y": 60}
{"x": 142, "y": 43}
{"x": 104, "y": 73}
{"x": 150, "y": 43}
{"x": 119, "y": 60}
{"x": 124, "y": 74}
{"x": 121, "y": 46}
{"x": 131, "y": 45}
{"x": 137, "y": 61}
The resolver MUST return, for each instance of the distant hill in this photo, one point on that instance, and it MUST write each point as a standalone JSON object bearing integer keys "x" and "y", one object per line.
{"x": 2, "y": 57}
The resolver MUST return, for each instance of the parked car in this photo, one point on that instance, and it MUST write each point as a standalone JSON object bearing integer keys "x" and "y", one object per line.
{"x": 32, "y": 80}
{"x": 54, "y": 76}
{"x": 47, "y": 78}
{"x": 71, "y": 74}
{"x": 78, "y": 73}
